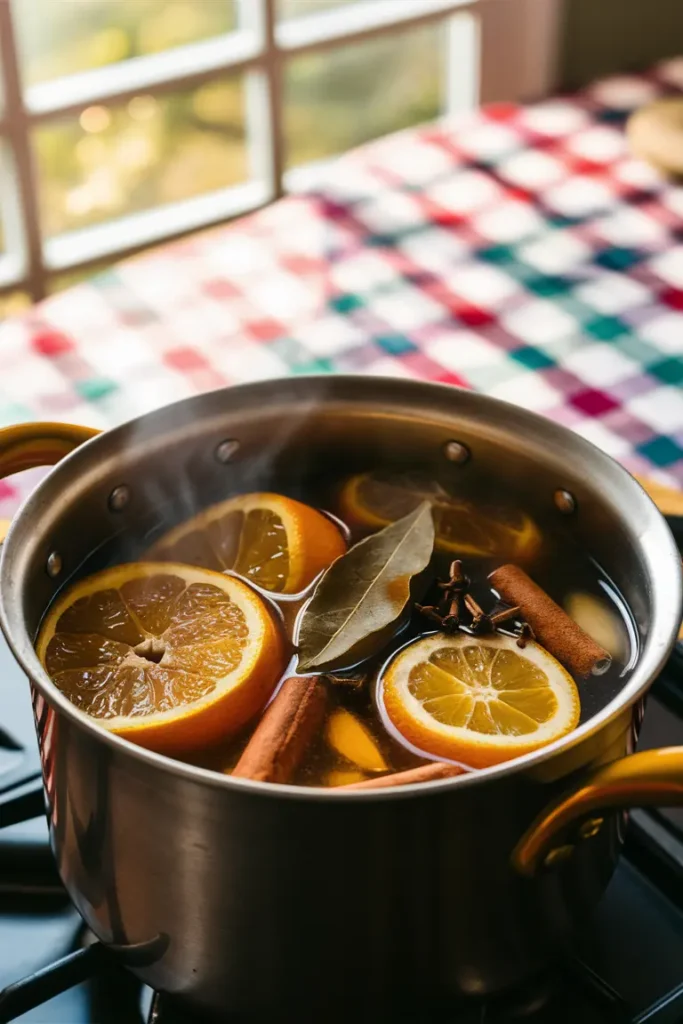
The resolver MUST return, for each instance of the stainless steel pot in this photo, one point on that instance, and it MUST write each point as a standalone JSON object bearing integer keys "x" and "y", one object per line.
{"x": 278, "y": 902}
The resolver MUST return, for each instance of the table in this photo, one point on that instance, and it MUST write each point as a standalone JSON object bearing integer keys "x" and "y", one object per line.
{"x": 519, "y": 250}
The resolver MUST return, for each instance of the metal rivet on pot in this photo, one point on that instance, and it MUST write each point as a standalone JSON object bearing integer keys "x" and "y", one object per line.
{"x": 565, "y": 502}
{"x": 456, "y": 451}
{"x": 54, "y": 564}
{"x": 559, "y": 854}
{"x": 591, "y": 827}
{"x": 226, "y": 449}
{"x": 119, "y": 498}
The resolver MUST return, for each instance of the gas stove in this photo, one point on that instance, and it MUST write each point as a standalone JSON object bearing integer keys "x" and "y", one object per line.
{"x": 627, "y": 970}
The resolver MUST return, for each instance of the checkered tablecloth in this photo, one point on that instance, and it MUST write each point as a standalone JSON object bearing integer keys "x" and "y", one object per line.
{"x": 521, "y": 251}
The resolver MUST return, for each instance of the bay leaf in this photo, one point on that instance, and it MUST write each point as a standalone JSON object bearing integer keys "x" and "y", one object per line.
{"x": 363, "y": 594}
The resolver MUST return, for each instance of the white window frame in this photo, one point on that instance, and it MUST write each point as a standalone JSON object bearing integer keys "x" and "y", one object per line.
{"x": 513, "y": 42}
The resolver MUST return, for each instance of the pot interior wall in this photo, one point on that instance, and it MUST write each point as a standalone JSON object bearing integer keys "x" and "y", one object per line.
{"x": 295, "y": 432}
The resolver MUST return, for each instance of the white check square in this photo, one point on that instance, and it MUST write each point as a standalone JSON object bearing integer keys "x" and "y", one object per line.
{"x": 458, "y": 350}
{"x": 361, "y": 272}
{"x": 330, "y": 335}
{"x": 598, "y": 434}
{"x": 481, "y": 284}
{"x": 465, "y": 192}
{"x": 553, "y": 118}
{"x": 661, "y": 409}
{"x": 669, "y": 265}
{"x": 613, "y": 293}
{"x": 406, "y": 309}
{"x": 539, "y": 322}
{"x": 623, "y": 91}
{"x": 434, "y": 249}
{"x": 666, "y": 332}
{"x": 599, "y": 144}
{"x": 556, "y": 253}
{"x": 532, "y": 168}
{"x": 579, "y": 196}
{"x": 600, "y": 365}
{"x": 630, "y": 227}
{"x": 488, "y": 141}
{"x": 509, "y": 222}
{"x": 527, "y": 389}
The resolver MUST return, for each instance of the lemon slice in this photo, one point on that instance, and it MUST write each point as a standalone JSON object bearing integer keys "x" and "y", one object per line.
{"x": 171, "y": 657}
{"x": 372, "y": 500}
{"x": 479, "y": 700}
{"x": 276, "y": 542}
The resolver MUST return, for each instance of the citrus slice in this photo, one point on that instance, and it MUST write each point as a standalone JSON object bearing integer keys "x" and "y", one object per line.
{"x": 172, "y": 657}
{"x": 276, "y": 542}
{"x": 372, "y": 500}
{"x": 479, "y": 700}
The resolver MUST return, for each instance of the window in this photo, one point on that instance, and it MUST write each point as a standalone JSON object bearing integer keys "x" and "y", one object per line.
{"x": 124, "y": 123}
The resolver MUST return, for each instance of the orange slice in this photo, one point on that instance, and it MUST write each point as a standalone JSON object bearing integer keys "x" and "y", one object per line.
{"x": 276, "y": 542}
{"x": 372, "y": 500}
{"x": 479, "y": 700}
{"x": 171, "y": 657}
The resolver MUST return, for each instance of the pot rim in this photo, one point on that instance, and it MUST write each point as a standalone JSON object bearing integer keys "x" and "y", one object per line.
{"x": 650, "y": 662}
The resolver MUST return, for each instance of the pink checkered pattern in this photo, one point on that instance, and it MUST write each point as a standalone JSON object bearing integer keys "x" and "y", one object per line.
{"x": 521, "y": 251}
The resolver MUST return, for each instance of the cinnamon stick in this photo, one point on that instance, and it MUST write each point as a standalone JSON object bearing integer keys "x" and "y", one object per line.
{"x": 553, "y": 628}
{"x": 288, "y": 725}
{"x": 425, "y": 773}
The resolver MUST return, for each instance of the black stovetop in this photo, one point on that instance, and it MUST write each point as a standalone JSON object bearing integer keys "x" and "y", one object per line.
{"x": 627, "y": 970}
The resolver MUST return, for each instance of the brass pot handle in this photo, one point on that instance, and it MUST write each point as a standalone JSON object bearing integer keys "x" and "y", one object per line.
{"x": 650, "y": 778}
{"x": 28, "y": 445}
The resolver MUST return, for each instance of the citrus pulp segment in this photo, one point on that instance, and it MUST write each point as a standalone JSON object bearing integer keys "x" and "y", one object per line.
{"x": 373, "y": 500}
{"x": 278, "y": 543}
{"x": 479, "y": 699}
{"x": 170, "y": 656}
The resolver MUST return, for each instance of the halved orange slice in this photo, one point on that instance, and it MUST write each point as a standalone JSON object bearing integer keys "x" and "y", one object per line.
{"x": 276, "y": 542}
{"x": 171, "y": 657}
{"x": 479, "y": 700}
{"x": 373, "y": 500}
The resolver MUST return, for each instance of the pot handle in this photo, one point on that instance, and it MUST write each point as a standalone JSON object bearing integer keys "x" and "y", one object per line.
{"x": 28, "y": 445}
{"x": 649, "y": 778}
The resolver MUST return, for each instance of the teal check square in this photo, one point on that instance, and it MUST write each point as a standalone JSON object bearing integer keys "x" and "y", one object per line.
{"x": 314, "y": 366}
{"x": 670, "y": 371}
{"x": 497, "y": 254}
{"x": 606, "y": 328}
{"x": 395, "y": 344}
{"x": 548, "y": 286}
{"x": 533, "y": 358}
{"x": 96, "y": 388}
{"x": 661, "y": 450}
{"x": 346, "y": 303}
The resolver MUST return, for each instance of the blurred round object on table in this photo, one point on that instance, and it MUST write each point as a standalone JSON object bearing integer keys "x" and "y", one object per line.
{"x": 655, "y": 133}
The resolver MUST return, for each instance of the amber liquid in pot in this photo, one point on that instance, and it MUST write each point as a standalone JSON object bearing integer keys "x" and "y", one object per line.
{"x": 559, "y": 567}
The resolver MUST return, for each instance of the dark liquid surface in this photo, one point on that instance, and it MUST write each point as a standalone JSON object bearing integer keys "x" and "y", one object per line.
{"x": 561, "y": 568}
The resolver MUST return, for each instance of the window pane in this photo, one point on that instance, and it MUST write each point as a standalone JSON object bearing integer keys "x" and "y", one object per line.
{"x": 288, "y": 9}
{"x": 61, "y": 37}
{"x": 123, "y": 158}
{"x": 339, "y": 98}
{"x": 12, "y": 303}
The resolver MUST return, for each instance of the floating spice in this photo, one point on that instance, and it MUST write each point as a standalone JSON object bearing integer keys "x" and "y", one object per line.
{"x": 553, "y": 628}
{"x": 285, "y": 731}
{"x": 425, "y": 773}
{"x": 362, "y": 596}
{"x": 459, "y": 608}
